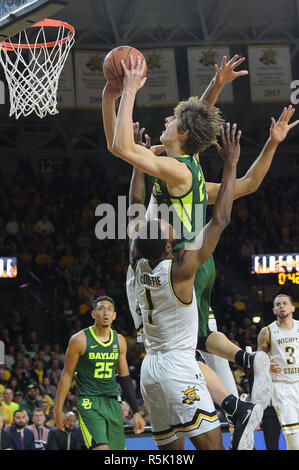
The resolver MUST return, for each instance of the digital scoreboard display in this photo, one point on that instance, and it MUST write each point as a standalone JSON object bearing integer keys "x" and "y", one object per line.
{"x": 285, "y": 266}
{"x": 8, "y": 267}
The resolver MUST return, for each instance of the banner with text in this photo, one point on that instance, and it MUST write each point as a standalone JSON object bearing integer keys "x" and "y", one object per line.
{"x": 66, "y": 88}
{"x": 201, "y": 69}
{"x": 90, "y": 79}
{"x": 161, "y": 87}
{"x": 270, "y": 73}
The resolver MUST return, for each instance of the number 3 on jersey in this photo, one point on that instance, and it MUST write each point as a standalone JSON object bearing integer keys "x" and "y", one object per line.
{"x": 150, "y": 306}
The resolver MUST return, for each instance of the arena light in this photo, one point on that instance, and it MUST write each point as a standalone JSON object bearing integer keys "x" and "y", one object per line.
{"x": 256, "y": 319}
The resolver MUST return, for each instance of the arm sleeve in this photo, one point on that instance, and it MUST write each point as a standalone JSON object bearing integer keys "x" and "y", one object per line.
{"x": 129, "y": 392}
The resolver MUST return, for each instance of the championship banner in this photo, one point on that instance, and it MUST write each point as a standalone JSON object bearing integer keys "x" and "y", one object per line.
{"x": 90, "y": 79}
{"x": 66, "y": 87}
{"x": 270, "y": 73}
{"x": 161, "y": 87}
{"x": 201, "y": 70}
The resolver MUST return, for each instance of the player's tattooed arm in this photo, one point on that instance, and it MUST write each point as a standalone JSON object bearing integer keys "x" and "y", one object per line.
{"x": 263, "y": 340}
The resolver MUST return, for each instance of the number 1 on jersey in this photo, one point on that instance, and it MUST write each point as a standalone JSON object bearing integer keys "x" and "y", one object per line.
{"x": 150, "y": 305}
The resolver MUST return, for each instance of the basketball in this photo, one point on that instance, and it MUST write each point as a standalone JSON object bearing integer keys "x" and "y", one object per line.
{"x": 112, "y": 67}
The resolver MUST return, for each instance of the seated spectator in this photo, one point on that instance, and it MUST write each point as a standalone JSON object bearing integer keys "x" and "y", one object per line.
{"x": 68, "y": 259}
{"x": 30, "y": 402}
{"x": 5, "y": 412}
{"x": 47, "y": 388}
{"x": 8, "y": 401}
{"x": 39, "y": 429}
{"x": 44, "y": 226}
{"x": 239, "y": 304}
{"x": 22, "y": 437}
{"x": 12, "y": 226}
{"x": 54, "y": 367}
{"x": 6, "y": 442}
{"x": 127, "y": 414}
{"x": 71, "y": 439}
{"x": 39, "y": 370}
{"x": 9, "y": 357}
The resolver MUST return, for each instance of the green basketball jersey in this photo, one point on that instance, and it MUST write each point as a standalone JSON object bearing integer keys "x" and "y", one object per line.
{"x": 191, "y": 210}
{"x": 96, "y": 368}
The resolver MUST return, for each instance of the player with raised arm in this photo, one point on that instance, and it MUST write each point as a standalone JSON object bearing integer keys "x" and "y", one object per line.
{"x": 95, "y": 354}
{"x": 280, "y": 340}
{"x": 164, "y": 287}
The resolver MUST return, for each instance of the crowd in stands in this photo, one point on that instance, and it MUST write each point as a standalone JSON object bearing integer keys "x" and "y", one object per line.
{"x": 48, "y": 222}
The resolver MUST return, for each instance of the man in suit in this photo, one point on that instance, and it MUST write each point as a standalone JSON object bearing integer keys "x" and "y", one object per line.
{"x": 5, "y": 438}
{"x": 71, "y": 439}
{"x": 22, "y": 437}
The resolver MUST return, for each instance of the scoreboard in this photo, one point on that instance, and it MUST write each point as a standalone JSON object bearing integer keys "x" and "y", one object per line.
{"x": 285, "y": 267}
{"x": 8, "y": 267}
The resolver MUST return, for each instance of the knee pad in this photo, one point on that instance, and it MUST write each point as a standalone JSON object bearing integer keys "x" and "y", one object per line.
{"x": 201, "y": 341}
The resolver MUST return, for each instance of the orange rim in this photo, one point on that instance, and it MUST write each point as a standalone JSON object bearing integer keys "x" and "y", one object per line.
{"x": 8, "y": 46}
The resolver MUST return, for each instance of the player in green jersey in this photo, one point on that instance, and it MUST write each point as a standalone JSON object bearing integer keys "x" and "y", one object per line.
{"x": 95, "y": 355}
{"x": 193, "y": 127}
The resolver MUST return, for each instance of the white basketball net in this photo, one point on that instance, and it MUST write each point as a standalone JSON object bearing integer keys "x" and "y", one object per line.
{"x": 32, "y": 71}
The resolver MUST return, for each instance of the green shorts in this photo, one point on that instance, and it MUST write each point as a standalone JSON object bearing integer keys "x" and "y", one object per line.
{"x": 101, "y": 422}
{"x": 203, "y": 285}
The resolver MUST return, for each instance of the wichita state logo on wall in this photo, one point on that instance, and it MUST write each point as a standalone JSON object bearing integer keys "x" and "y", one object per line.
{"x": 153, "y": 61}
{"x": 95, "y": 63}
{"x": 208, "y": 58}
{"x": 190, "y": 395}
{"x": 269, "y": 57}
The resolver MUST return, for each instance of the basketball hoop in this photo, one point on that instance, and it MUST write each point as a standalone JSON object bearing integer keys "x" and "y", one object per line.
{"x": 33, "y": 68}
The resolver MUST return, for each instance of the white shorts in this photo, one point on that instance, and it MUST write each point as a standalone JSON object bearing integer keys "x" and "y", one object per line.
{"x": 176, "y": 395}
{"x": 285, "y": 400}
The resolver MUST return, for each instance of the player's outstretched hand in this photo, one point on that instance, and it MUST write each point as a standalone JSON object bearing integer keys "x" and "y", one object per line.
{"x": 139, "y": 423}
{"x": 279, "y": 130}
{"x": 111, "y": 92}
{"x": 229, "y": 151}
{"x": 226, "y": 72}
{"x": 60, "y": 419}
{"x": 138, "y": 136}
{"x": 134, "y": 76}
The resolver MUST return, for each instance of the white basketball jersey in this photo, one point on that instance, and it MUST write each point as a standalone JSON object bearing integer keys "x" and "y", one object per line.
{"x": 168, "y": 323}
{"x": 133, "y": 304}
{"x": 285, "y": 350}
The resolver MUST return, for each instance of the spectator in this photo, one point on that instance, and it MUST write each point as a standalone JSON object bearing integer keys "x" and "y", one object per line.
{"x": 12, "y": 226}
{"x": 39, "y": 429}
{"x": 44, "y": 226}
{"x": 29, "y": 403}
{"x": 22, "y": 437}
{"x": 8, "y": 401}
{"x": 239, "y": 304}
{"x": 6, "y": 442}
{"x": 47, "y": 388}
{"x": 9, "y": 357}
{"x": 126, "y": 411}
{"x": 54, "y": 367}
{"x": 71, "y": 439}
{"x": 5, "y": 412}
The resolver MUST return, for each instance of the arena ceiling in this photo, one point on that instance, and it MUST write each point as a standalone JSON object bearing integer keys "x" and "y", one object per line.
{"x": 148, "y": 23}
{"x": 104, "y": 24}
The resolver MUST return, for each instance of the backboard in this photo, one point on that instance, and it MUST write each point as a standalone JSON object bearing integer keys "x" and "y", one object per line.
{"x": 17, "y": 15}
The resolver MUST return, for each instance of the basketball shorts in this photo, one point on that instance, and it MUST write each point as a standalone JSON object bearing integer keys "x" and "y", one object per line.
{"x": 203, "y": 284}
{"x": 101, "y": 422}
{"x": 176, "y": 395}
{"x": 286, "y": 404}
